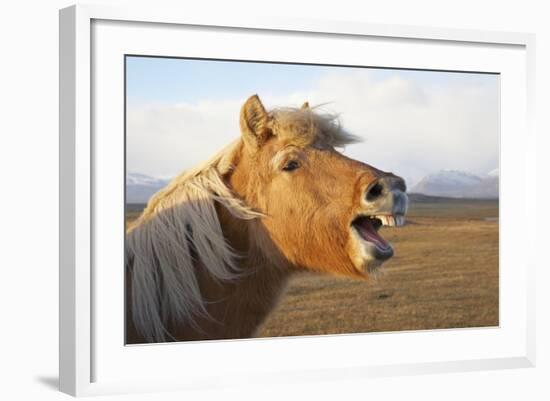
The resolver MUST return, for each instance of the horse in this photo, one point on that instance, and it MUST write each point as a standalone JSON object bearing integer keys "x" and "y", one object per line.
{"x": 212, "y": 252}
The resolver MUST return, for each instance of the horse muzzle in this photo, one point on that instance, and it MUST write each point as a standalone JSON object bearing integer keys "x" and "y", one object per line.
{"x": 384, "y": 203}
{"x": 386, "y": 196}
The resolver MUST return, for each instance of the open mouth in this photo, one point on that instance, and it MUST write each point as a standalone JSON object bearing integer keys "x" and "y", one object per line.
{"x": 367, "y": 228}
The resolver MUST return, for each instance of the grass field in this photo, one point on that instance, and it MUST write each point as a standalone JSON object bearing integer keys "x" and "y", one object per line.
{"x": 444, "y": 275}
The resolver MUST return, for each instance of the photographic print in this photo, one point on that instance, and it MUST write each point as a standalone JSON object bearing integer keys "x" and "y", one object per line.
{"x": 268, "y": 199}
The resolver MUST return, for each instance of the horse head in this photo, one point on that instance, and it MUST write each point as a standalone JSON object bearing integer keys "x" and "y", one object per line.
{"x": 321, "y": 209}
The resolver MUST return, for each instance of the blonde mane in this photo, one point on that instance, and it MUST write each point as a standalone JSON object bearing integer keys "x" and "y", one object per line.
{"x": 180, "y": 225}
{"x": 306, "y": 126}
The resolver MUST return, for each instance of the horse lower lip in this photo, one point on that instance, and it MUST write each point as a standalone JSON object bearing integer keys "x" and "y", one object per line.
{"x": 384, "y": 254}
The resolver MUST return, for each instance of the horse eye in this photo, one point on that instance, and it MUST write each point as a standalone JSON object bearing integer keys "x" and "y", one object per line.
{"x": 291, "y": 165}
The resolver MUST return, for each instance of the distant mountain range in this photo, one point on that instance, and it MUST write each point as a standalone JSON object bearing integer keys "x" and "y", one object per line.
{"x": 140, "y": 187}
{"x": 459, "y": 184}
{"x": 444, "y": 183}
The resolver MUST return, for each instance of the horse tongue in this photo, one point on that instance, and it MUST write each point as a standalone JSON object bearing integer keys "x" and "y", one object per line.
{"x": 369, "y": 233}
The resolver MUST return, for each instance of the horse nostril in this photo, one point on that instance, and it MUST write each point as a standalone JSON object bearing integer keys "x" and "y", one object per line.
{"x": 375, "y": 191}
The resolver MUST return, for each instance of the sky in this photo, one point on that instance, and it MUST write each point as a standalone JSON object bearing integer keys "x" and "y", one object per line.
{"x": 413, "y": 123}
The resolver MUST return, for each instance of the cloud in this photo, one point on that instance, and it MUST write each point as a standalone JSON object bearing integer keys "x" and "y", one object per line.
{"x": 410, "y": 127}
{"x": 164, "y": 140}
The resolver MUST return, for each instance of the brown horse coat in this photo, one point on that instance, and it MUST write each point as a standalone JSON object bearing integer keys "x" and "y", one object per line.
{"x": 212, "y": 252}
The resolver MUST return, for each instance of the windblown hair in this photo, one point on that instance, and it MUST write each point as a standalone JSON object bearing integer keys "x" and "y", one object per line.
{"x": 180, "y": 225}
{"x": 306, "y": 126}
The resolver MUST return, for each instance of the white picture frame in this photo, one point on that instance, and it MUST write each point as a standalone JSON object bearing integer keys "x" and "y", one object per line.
{"x": 80, "y": 349}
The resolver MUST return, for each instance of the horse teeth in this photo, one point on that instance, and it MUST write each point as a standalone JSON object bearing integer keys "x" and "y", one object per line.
{"x": 391, "y": 221}
{"x": 386, "y": 220}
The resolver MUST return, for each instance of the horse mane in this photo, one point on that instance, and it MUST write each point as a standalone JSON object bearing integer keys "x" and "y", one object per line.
{"x": 305, "y": 126}
{"x": 180, "y": 225}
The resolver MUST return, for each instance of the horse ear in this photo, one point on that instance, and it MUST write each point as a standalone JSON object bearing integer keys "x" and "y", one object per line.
{"x": 305, "y": 106}
{"x": 253, "y": 122}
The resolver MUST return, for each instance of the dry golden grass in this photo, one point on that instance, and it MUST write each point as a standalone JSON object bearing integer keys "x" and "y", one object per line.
{"x": 444, "y": 275}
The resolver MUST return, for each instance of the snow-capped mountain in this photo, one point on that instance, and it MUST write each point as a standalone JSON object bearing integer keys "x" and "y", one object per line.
{"x": 140, "y": 187}
{"x": 459, "y": 184}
